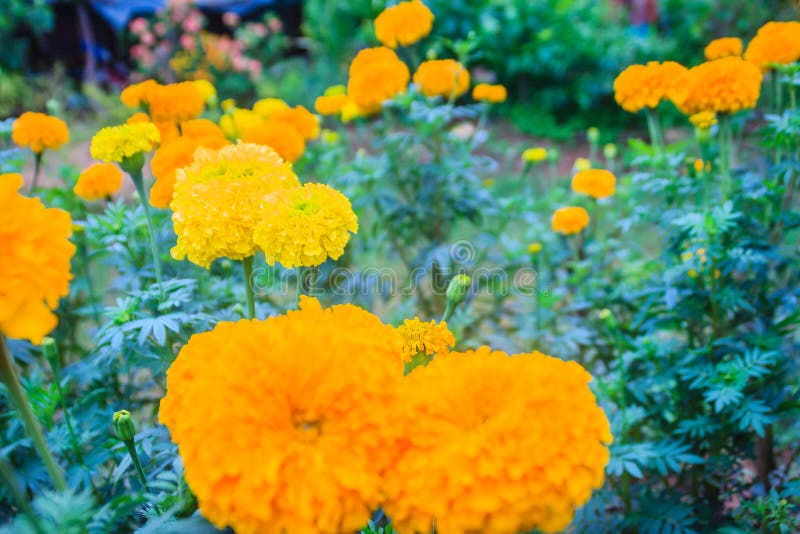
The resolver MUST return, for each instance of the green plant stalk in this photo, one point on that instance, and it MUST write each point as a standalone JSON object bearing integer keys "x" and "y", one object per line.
{"x": 247, "y": 270}
{"x": 131, "y": 446}
{"x": 55, "y": 366}
{"x": 537, "y": 297}
{"x": 449, "y": 309}
{"x": 83, "y": 254}
{"x": 725, "y": 151}
{"x": 37, "y": 168}
{"x": 21, "y": 402}
{"x": 7, "y": 474}
{"x": 656, "y": 139}
{"x": 138, "y": 181}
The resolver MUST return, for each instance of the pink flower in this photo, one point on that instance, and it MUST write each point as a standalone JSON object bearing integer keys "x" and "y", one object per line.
{"x": 137, "y": 51}
{"x": 160, "y": 29}
{"x": 275, "y": 24}
{"x": 192, "y": 24}
{"x": 147, "y": 38}
{"x": 230, "y": 19}
{"x": 138, "y": 25}
{"x": 187, "y": 42}
{"x": 256, "y": 68}
{"x": 239, "y": 62}
{"x": 259, "y": 29}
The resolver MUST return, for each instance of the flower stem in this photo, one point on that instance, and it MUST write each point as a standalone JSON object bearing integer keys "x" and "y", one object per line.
{"x": 37, "y": 168}
{"x": 51, "y": 353}
{"x": 247, "y": 269}
{"x": 725, "y": 141}
{"x": 131, "y": 446}
{"x": 83, "y": 253}
{"x": 138, "y": 181}
{"x": 20, "y": 400}
{"x": 7, "y": 474}
{"x": 448, "y": 311}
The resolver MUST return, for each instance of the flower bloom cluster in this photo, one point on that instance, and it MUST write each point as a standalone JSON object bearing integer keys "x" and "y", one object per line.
{"x": 485, "y": 92}
{"x": 597, "y": 183}
{"x": 218, "y": 200}
{"x": 403, "y": 24}
{"x": 284, "y": 424}
{"x": 427, "y": 338}
{"x": 442, "y": 77}
{"x": 496, "y": 444}
{"x": 303, "y": 226}
{"x": 570, "y": 219}
{"x": 38, "y": 131}
{"x": 35, "y": 270}
{"x": 116, "y": 143}
{"x": 775, "y": 43}
{"x": 645, "y": 86}
{"x": 703, "y": 120}
{"x": 97, "y": 181}
{"x": 723, "y": 47}
{"x": 376, "y": 75}
{"x": 724, "y": 85}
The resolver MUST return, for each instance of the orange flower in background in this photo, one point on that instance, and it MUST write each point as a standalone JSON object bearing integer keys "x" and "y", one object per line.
{"x": 442, "y": 77}
{"x": 597, "y": 183}
{"x": 723, "y": 47}
{"x": 496, "y": 443}
{"x": 775, "y": 43}
{"x": 403, "y": 24}
{"x": 724, "y": 85}
{"x": 138, "y": 118}
{"x": 284, "y": 425}
{"x": 645, "y": 86}
{"x": 305, "y": 122}
{"x": 376, "y": 75}
{"x": 137, "y": 94}
{"x": 97, "y": 181}
{"x": 201, "y": 128}
{"x": 489, "y": 93}
{"x": 237, "y": 121}
{"x": 428, "y": 338}
{"x": 279, "y": 135}
{"x": 267, "y": 106}
{"x": 175, "y": 155}
{"x": 175, "y": 102}
{"x": 330, "y": 104}
{"x": 38, "y": 131}
{"x": 570, "y": 220}
{"x": 35, "y": 269}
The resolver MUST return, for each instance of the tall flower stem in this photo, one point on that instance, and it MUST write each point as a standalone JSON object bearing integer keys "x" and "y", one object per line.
{"x": 725, "y": 151}
{"x": 247, "y": 269}
{"x": 138, "y": 181}
{"x": 37, "y": 169}
{"x": 131, "y": 446}
{"x": 83, "y": 254}
{"x": 20, "y": 401}
{"x": 7, "y": 475}
{"x": 50, "y": 350}
{"x": 654, "y": 128}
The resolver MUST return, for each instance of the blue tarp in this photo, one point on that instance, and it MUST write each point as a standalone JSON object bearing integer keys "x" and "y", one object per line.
{"x": 119, "y": 12}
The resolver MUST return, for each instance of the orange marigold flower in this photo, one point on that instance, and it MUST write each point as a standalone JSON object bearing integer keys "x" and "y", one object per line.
{"x": 201, "y": 128}
{"x": 724, "y": 85}
{"x": 597, "y": 183}
{"x": 35, "y": 270}
{"x": 218, "y": 199}
{"x": 723, "y": 47}
{"x": 279, "y": 135}
{"x": 775, "y": 43}
{"x": 330, "y": 104}
{"x": 168, "y": 131}
{"x": 376, "y": 75}
{"x": 138, "y": 118}
{"x": 429, "y": 338}
{"x": 175, "y": 155}
{"x": 442, "y": 77}
{"x": 282, "y": 423}
{"x": 570, "y": 220}
{"x": 471, "y": 419}
{"x": 403, "y": 24}
{"x": 176, "y": 102}
{"x": 490, "y": 93}
{"x": 305, "y": 122}
{"x": 38, "y": 131}
{"x": 98, "y": 180}
{"x": 137, "y": 94}
{"x": 641, "y": 86}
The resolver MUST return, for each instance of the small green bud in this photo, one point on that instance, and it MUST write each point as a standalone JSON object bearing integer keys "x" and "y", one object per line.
{"x": 78, "y": 228}
{"x": 123, "y": 425}
{"x": 593, "y": 135}
{"x": 457, "y": 288}
{"x": 610, "y": 151}
{"x": 50, "y": 349}
{"x": 703, "y": 135}
{"x": 554, "y": 154}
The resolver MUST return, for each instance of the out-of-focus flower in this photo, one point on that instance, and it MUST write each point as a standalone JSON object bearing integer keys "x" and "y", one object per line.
{"x": 723, "y": 47}
{"x": 97, "y": 181}
{"x": 645, "y": 86}
{"x": 703, "y": 120}
{"x": 38, "y": 131}
{"x": 116, "y": 143}
{"x": 534, "y": 155}
{"x": 267, "y": 106}
{"x": 442, "y": 77}
{"x": 279, "y": 135}
{"x": 597, "y": 183}
{"x": 330, "y": 105}
{"x": 570, "y": 220}
{"x": 775, "y": 43}
{"x": 582, "y": 164}
{"x": 490, "y": 93}
{"x": 137, "y": 94}
{"x": 303, "y": 120}
{"x": 724, "y": 85}
{"x": 376, "y": 75}
{"x": 175, "y": 102}
{"x": 403, "y": 24}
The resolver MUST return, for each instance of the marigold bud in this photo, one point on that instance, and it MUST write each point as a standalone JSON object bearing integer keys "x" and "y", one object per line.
{"x": 123, "y": 425}
{"x": 457, "y": 288}
{"x": 593, "y": 135}
{"x": 50, "y": 349}
{"x": 610, "y": 151}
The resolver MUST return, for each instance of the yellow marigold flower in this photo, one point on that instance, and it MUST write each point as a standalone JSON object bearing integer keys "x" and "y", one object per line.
{"x": 376, "y": 75}
{"x": 335, "y": 90}
{"x": 597, "y": 183}
{"x": 403, "y": 24}
{"x": 488, "y": 182}
{"x": 176, "y": 102}
{"x": 698, "y": 165}
{"x": 535, "y": 248}
{"x": 115, "y": 143}
{"x": 610, "y": 151}
{"x": 282, "y": 423}
{"x": 267, "y": 106}
{"x": 206, "y": 90}
{"x": 703, "y": 120}
{"x": 218, "y": 199}
{"x": 489, "y": 93}
{"x": 723, "y": 47}
{"x": 775, "y": 43}
{"x": 351, "y": 111}
{"x": 582, "y": 164}
{"x": 471, "y": 420}
{"x": 238, "y": 121}
{"x": 303, "y": 120}
{"x": 304, "y": 226}
{"x": 38, "y": 131}
{"x": 570, "y": 220}
{"x": 534, "y": 155}
{"x": 330, "y": 136}
{"x": 98, "y": 180}
{"x": 724, "y": 85}
{"x": 175, "y": 155}
{"x": 641, "y": 86}
{"x": 137, "y": 94}
{"x": 281, "y": 136}
{"x": 330, "y": 105}
{"x": 35, "y": 271}
{"x": 429, "y": 338}
{"x": 442, "y": 77}
{"x": 228, "y": 105}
